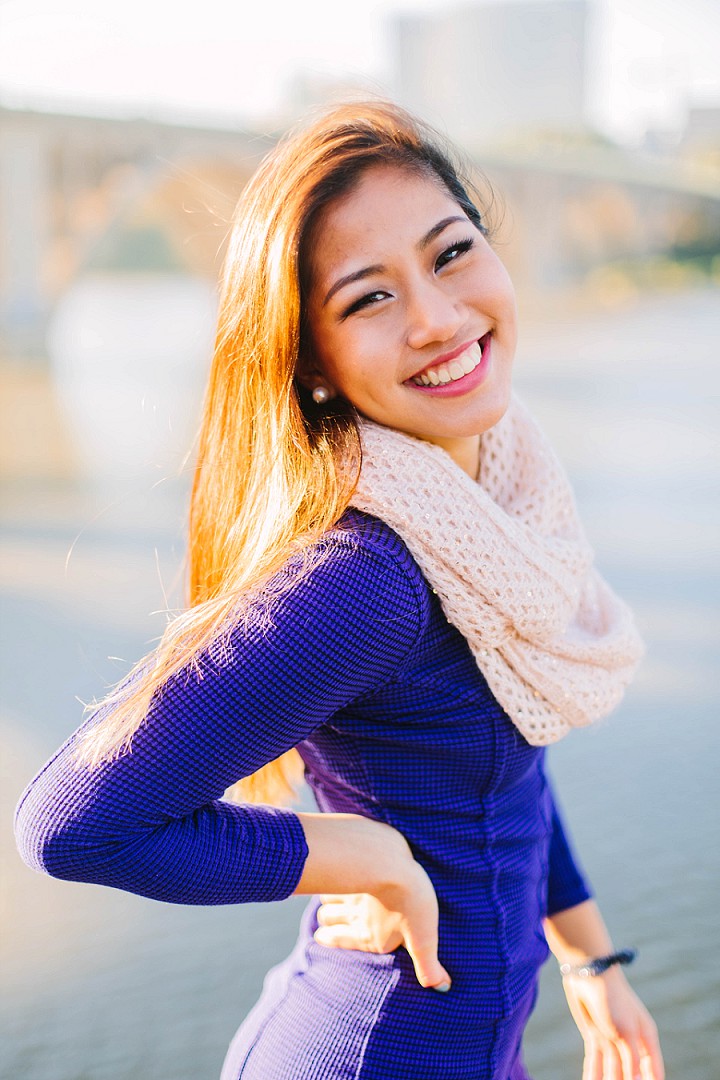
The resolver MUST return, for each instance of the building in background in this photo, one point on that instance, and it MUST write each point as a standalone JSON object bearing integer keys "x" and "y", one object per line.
{"x": 494, "y": 71}
{"x": 700, "y": 139}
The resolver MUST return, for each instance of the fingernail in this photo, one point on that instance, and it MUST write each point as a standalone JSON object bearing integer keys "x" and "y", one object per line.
{"x": 442, "y": 988}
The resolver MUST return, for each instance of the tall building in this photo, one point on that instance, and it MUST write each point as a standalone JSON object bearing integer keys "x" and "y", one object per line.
{"x": 492, "y": 70}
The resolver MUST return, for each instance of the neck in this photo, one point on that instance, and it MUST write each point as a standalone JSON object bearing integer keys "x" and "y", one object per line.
{"x": 465, "y": 452}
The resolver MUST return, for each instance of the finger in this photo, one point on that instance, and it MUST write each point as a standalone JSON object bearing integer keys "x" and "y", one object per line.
{"x": 335, "y": 898}
{"x": 592, "y": 1062}
{"x": 429, "y": 972}
{"x": 611, "y": 1063}
{"x": 629, "y": 1051}
{"x": 332, "y": 915}
{"x": 340, "y": 937}
{"x": 651, "y": 1059}
{"x": 649, "y": 1068}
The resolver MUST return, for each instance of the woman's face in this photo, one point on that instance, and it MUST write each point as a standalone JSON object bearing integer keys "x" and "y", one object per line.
{"x": 411, "y": 314}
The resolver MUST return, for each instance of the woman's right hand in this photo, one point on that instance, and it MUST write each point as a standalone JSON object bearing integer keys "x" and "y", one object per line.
{"x": 375, "y": 896}
{"x": 406, "y": 915}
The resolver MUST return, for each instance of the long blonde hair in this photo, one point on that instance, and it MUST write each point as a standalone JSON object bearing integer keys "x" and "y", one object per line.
{"x": 274, "y": 471}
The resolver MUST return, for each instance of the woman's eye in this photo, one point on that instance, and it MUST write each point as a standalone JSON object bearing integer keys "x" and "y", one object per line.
{"x": 365, "y": 301}
{"x": 450, "y": 254}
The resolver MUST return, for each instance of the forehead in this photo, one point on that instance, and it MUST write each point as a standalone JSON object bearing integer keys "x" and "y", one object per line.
{"x": 389, "y": 209}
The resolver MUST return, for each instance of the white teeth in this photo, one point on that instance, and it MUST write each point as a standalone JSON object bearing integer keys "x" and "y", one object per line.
{"x": 454, "y": 370}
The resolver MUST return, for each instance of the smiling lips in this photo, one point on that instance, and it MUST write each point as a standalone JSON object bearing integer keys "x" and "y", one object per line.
{"x": 474, "y": 358}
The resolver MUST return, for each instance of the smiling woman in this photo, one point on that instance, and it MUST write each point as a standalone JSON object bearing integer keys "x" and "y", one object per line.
{"x": 390, "y": 591}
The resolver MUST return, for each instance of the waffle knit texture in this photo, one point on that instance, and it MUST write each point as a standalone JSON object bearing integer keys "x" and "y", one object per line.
{"x": 361, "y": 670}
{"x": 513, "y": 569}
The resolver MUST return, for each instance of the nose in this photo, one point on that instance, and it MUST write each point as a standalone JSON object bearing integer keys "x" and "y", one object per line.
{"x": 433, "y": 315}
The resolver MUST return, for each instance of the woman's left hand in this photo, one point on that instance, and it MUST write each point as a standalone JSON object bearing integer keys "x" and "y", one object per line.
{"x": 621, "y": 1040}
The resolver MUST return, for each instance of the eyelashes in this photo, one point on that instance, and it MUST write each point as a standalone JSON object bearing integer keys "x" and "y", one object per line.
{"x": 364, "y": 301}
{"x": 448, "y": 255}
{"x": 452, "y": 253}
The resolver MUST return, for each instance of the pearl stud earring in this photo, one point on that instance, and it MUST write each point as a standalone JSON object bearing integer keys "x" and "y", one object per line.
{"x": 321, "y": 395}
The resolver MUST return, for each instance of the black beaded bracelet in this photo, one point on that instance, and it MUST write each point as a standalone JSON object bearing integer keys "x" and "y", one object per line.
{"x": 599, "y": 965}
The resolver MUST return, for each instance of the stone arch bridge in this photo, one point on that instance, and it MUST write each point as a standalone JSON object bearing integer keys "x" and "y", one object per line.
{"x": 67, "y": 182}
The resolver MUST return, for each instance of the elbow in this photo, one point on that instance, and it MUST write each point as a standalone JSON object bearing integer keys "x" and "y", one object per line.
{"x": 39, "y": 838}
{"x": 50, "y": 837}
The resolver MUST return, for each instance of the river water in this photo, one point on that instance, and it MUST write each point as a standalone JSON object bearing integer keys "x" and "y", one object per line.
{"x": 99, "y": 985}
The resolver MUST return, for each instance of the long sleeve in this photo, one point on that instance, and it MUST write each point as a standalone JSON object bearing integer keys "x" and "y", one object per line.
{"x": 153, "y": 822}
{"x": 566, "y": 882}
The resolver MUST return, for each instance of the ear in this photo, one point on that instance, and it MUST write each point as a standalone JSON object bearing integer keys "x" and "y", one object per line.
{"x": 309, "y": 375}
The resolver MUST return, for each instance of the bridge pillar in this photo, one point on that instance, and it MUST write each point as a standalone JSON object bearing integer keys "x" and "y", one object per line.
{"x": 24, "y": 213}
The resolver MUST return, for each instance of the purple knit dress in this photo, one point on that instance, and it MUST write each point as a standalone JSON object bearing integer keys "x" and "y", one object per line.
{"x": 359, "y": 668}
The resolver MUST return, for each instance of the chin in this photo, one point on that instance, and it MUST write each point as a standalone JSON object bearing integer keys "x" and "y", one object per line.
{"x": 496, "y": 416}
{"x": 478, "y": 420}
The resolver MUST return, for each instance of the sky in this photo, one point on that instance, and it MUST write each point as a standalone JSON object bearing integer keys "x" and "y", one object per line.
{"x": 235, "y": 59}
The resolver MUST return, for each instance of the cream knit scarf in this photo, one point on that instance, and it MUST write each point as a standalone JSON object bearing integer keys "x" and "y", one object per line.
{"x": 512, "y": 568}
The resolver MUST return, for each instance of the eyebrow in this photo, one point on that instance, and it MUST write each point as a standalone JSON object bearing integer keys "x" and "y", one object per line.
{"x": 378, "y": 268}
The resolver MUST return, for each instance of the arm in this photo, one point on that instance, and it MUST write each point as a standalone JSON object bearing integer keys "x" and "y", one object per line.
{"x": 153, "y": 822}
{"x": 567, "y": 885}
{"x": 621, "y": 1041}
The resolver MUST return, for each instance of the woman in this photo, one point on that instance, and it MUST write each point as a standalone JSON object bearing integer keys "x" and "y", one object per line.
{"x": 388, "y": 588}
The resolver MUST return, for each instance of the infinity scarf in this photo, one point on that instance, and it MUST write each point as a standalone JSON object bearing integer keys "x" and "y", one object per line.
{"x": 512, "y": 568}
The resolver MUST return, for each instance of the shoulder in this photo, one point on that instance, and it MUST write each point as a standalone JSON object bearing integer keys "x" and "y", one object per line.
{"x": 361, "y": 570}
{"x": 362, "y": 532}
{"x": 354, "y": 603}
{"x": 365, "y": 545}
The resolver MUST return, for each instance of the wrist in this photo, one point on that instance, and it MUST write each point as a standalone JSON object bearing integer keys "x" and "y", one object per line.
{"x": 578, "y": 934}
{"x": 349, "y": 853}
{"x": 592, "y": 967}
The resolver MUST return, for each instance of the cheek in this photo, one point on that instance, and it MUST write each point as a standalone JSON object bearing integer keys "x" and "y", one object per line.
{"x": 354, "y": 356}
{"x": 494, "y": 281}
{"x": 505, "y": 289}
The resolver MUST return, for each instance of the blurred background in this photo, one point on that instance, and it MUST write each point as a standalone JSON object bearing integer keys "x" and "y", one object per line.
{"x": 126, "y": 134}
